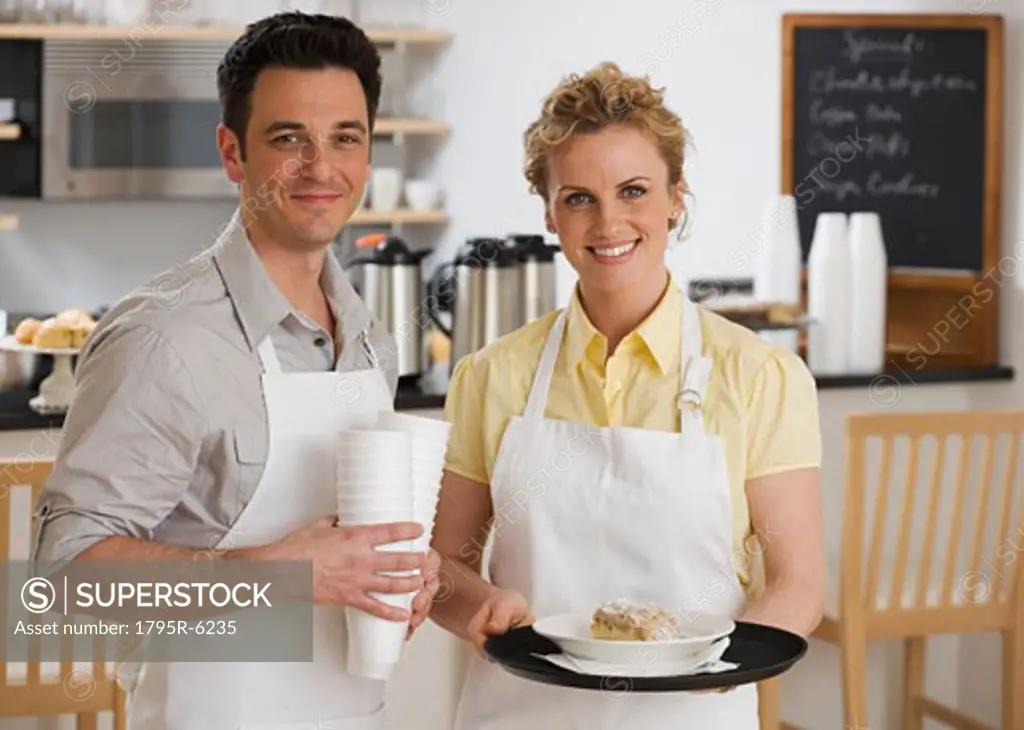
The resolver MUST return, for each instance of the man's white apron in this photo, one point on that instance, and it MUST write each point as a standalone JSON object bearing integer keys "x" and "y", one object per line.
{"x": 585, "y": 515}
{"x": 305, "y": 412}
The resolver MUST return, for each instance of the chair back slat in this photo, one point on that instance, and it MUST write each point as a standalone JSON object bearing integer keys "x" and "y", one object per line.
{"x": 981, "y": 509}
{"x": 906, "y": 525}
{"x": 932, "y": 499}
{"x": 955, "y": 525}
{"x": 1006, "y": 511}
{"x": 932, "y": 510}
{"x": 880, "y": 513}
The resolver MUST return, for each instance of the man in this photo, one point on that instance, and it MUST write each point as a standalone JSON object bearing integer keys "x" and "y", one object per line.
{"x": 206, "y": 397}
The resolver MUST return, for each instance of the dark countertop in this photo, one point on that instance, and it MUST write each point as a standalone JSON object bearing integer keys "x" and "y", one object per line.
{"x": 15, "y": 414}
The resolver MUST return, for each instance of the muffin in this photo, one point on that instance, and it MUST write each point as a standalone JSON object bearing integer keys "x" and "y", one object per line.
{"x": 80, "y": 333}
{"x": 26, "y": 330}
{"x": 74, "y": 317}
{"x": 53, "y": 335}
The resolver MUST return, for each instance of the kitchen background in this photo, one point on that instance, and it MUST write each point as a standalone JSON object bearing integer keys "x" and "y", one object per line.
{"x": 720, "y": 61}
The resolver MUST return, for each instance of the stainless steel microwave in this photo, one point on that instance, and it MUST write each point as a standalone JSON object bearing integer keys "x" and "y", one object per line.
{"x": 125, "y": 119}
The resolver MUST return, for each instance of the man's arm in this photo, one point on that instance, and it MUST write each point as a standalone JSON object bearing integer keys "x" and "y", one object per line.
{"x": 130, "y": 449}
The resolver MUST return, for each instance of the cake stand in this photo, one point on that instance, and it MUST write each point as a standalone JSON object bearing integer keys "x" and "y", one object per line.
{"x": 58, "y": 390}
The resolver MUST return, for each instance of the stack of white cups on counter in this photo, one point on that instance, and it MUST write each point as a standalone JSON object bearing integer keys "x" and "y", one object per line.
{"x": 388, "y": 474}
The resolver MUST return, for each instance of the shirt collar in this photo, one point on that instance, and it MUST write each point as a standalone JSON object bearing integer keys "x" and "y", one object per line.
{"x": 260, "y": 305}
{"x": 658, "y": 335}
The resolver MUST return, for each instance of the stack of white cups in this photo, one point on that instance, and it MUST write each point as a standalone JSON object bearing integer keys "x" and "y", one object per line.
{"x": 390, "y": 474}
{"x": 429, "y": 439}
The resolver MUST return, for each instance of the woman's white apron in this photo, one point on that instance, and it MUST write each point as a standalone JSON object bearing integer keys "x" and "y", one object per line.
{"x": 585, "y": 515}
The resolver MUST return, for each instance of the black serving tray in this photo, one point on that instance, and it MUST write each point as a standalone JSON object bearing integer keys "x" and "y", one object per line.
{"x": 760, "y": 651}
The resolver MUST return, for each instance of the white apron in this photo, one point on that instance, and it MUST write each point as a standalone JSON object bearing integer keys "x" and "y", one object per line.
{"x": 305, "y": 412}
{"x": 585, "y": 515}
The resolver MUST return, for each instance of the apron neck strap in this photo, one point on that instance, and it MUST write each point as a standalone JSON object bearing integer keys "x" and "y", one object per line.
{"x": 696, "y": 367}
{"x": 268, "y": 356}
{"x": 538, "y": 401}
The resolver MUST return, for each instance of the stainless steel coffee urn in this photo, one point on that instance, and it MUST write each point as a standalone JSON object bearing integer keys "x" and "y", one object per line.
{"x": 389, "y": 279}
{"x": 481, "y": 289}
{"x": 536, "y": 260}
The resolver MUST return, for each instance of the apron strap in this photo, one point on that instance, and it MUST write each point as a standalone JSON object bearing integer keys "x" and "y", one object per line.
{"x": 268, "y": 356}
{"x": 538, "y": 400}
{"x": 696, "y": 367}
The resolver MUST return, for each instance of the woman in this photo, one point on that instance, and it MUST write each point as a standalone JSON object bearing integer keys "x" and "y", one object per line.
{"x": 631, "y": 446}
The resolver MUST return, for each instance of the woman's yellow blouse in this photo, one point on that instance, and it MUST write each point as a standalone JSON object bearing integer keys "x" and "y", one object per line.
{"x": 761, "y": 399}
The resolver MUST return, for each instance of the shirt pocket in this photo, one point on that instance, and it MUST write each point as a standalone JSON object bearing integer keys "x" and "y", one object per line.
{"x": 250, "y": 447}
{"x": 250, "y": 444}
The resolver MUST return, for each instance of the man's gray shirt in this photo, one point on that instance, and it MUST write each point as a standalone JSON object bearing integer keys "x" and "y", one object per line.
{"x": 167, "y": 437}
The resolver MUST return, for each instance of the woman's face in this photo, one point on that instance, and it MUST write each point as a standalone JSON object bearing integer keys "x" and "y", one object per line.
{"x": 609, "y": 202}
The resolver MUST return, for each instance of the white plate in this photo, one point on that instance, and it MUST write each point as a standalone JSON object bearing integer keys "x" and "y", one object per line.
{"x": 571, "y": 632}
{"x": 10, "y": 344}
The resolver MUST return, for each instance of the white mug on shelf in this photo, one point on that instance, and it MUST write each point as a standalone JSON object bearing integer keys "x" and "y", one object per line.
{"x": 422, "y": 194}
{"x": 385, "y": 188}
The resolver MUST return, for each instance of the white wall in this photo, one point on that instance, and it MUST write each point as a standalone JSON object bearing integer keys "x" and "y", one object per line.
{"x": 723, "y": 77}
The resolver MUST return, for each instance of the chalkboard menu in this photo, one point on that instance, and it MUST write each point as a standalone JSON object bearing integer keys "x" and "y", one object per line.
{"x": 902, "y": 114}
{"x": 893, "y": 120}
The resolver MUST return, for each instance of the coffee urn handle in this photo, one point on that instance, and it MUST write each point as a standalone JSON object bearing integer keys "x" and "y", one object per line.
{"x": 440, "y": 285}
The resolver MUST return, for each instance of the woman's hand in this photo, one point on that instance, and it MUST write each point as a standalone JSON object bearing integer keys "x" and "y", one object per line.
{"x": 504, "y": 610}
{"x": 424, "y": 600}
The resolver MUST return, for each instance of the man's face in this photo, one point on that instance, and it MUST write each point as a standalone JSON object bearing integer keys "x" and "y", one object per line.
{"x": 307, "y": 154}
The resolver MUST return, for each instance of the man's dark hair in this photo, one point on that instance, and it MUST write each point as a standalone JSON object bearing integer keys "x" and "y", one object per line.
{"x": 299, "y": 41}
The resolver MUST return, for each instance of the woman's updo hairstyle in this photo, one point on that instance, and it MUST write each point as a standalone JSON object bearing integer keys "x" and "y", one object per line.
{"x": 602, "y": 97}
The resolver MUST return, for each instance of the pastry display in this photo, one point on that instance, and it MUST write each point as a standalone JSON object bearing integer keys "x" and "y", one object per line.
{"x": 624, "y": 620}
{"x": 67, "y": 330}
{"x": 26, "y": 330}
{"x": 760, "y": 314}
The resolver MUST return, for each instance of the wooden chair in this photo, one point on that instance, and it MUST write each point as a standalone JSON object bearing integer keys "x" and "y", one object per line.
{"x": 925, "y": 554}
{"x": 25, "y": 691}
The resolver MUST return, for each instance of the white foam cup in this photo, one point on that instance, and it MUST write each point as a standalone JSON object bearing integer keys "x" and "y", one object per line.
{"x": 417, "y": 425}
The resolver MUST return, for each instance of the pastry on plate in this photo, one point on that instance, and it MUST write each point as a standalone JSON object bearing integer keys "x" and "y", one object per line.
{"x": 53, "y": 335}
{"x": 26, "y": 330}
{"x": 624, "y": 620}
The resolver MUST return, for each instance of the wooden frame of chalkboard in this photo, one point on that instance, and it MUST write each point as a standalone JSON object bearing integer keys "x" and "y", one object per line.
{"x": 906, "y": 113}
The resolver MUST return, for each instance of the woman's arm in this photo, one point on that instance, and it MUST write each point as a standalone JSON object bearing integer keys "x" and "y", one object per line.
{"x": 786, "y": 515}
{"x": 460, "y": 532}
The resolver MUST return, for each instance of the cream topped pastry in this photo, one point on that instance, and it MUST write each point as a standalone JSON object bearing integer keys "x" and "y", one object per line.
{"x": 625, "y": 620}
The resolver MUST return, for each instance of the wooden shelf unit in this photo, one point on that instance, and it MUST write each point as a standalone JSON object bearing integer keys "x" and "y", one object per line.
{"x": 69, "y": 31}
{"x": 9, "y": 132}
{"x": 367, "y": 217}
{"x": 411, "y": 125}
{"x": 8, "y": 222}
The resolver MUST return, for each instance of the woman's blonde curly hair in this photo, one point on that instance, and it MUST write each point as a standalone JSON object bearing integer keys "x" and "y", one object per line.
{"x": 600, "y": 98}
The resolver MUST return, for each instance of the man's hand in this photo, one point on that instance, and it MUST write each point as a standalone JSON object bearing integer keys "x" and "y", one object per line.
{"x": 347, "y": 566}
{"x": 424, "y": 600}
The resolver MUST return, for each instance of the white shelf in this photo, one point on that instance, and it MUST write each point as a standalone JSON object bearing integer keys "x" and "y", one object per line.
{"x": 366, "y": 217}
{"x": 382, "y": 36}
